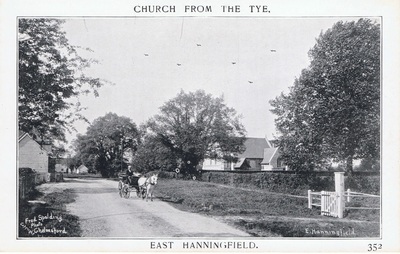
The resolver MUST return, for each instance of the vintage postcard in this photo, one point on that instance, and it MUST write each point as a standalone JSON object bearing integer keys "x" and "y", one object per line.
{"x": 200, "y": 127}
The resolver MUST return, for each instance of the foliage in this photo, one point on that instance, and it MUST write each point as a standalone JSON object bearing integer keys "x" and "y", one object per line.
{"x": 359, "y": 183}
{"x": 105, "y": 143}
{"x": 194, "y": 126}
{"x": 368, "y": 164}
{"x": 153, "y": 155}
{"x": 333, "y": 109}
{"x": 166, "y": 175}
{"x": 297, "y": 184}
{"x": 25, "y": 171}
{"x": 50, "y": 73}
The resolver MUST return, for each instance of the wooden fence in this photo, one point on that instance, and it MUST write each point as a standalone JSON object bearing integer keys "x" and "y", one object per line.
{"x": 334, "y": 204}
{"x": 350, "y": 195}
{"x": 27, "y": 184}
{"x": 28, "y": 181}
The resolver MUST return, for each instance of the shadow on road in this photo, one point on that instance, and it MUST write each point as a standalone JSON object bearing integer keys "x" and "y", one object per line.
{"x": 89, "y": 190}
{"x": 76, "y": 180}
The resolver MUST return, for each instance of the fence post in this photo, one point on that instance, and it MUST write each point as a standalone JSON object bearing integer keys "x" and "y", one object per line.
{"x": 348, "y": 195}
{"x": 309, "y": 199}
{"x": 339, "y": 189}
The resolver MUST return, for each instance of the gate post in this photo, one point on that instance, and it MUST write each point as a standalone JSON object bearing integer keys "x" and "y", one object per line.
{"x": 323, "y": 201}
{"x": 339, "y": 189}
{"x": 309, "y": 199}
{"x": 348, "y": 196}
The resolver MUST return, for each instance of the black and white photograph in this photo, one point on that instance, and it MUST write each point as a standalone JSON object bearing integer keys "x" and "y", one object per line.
{"x": 232, "y": 127}
{"x": 199, "y": 132}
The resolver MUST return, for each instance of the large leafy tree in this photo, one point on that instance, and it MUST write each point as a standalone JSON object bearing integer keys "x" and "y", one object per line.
{"x": 195, "y": 126}
{"x": 152, "y": 154}
{"x": 106, "y": 143}
{"x": 333, "y": 109}
{"x": 50, "y": 73}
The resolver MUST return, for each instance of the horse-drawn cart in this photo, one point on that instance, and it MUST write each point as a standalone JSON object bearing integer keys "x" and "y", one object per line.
{"x": 125, "y": 187}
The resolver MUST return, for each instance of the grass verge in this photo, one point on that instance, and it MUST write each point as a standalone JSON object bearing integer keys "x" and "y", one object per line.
{"x": 265, "y": 214}
{"x": 47, "y": 217}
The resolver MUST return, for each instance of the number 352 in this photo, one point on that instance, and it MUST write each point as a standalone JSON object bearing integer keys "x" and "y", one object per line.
{"x": 374, "y": 247}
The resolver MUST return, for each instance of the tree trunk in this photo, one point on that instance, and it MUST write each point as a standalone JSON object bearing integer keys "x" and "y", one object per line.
{"x": 349, "y": 165}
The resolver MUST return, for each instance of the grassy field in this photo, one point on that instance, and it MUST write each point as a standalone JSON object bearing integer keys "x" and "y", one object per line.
{"x": 49, "y": 217}
{"x": 265, "y": 214}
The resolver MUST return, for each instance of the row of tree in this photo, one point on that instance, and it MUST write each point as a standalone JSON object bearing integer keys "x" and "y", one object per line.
{"x": 190, "y": 127}
{"x": 332, "y": 112}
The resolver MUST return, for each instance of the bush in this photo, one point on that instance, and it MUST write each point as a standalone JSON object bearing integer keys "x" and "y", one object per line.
{"x": 296, "y": 184}
{"x": 165, "y": 174}
{"x": 24, "y": 171}
{"x": 358, "y": 183}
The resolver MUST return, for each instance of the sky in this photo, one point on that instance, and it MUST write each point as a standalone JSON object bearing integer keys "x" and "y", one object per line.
{"x": 140, "y": 56}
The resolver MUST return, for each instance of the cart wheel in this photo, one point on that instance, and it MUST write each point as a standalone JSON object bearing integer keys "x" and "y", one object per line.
{"x": 125, "y": 191}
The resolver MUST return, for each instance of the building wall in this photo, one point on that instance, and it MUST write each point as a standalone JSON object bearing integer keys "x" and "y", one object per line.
{"x": 275, "y": 164}
{"x": 82, "y": 169}
{"x": 266, "y": 167}
{"x": 274, "y": 160}
{"x": 31, "y": 155}
{"x": 209, "y": 164}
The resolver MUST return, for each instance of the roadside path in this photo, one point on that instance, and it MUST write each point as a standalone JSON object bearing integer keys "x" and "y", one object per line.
{"x": 103, "y": 213}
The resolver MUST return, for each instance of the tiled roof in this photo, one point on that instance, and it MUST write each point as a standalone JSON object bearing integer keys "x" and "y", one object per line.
{"x": 268, "y": 153}
{"x": 254, "y": 148}
{"x": 239, "y": 163}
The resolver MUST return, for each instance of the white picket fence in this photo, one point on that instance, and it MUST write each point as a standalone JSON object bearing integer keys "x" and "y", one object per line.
{"x": 351, "y": 194}
{"x": 333, "y": 203}
{"x": 329, "y": 203}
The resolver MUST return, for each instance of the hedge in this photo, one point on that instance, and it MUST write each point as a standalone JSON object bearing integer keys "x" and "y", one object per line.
{"x": 296, "y": 184}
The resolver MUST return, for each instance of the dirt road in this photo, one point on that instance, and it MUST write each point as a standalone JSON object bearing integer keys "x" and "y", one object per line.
{"x": 103, "y": 213}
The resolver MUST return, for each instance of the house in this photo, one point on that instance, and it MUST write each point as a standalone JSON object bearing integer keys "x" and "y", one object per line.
{"x": 82, "y": 169}
{"x": 250, "y": 159}
{"x": 33, "y": 155}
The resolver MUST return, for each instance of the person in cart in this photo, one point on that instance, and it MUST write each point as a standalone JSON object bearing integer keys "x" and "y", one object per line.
{"x": 130, "y": 174}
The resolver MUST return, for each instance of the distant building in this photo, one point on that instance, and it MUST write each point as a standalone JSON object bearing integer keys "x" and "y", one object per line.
{"x": 82, "y": 169}
{"x": 258, "y": 155}
{"x": 62, "y": 166}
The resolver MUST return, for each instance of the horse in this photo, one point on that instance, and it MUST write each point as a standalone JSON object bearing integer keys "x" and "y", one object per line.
{"x": 147, "y": 185}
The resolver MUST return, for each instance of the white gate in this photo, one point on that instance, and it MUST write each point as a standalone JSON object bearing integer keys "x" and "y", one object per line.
{"x": 329, "y": 203}
{"x": 332, "y": 203}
